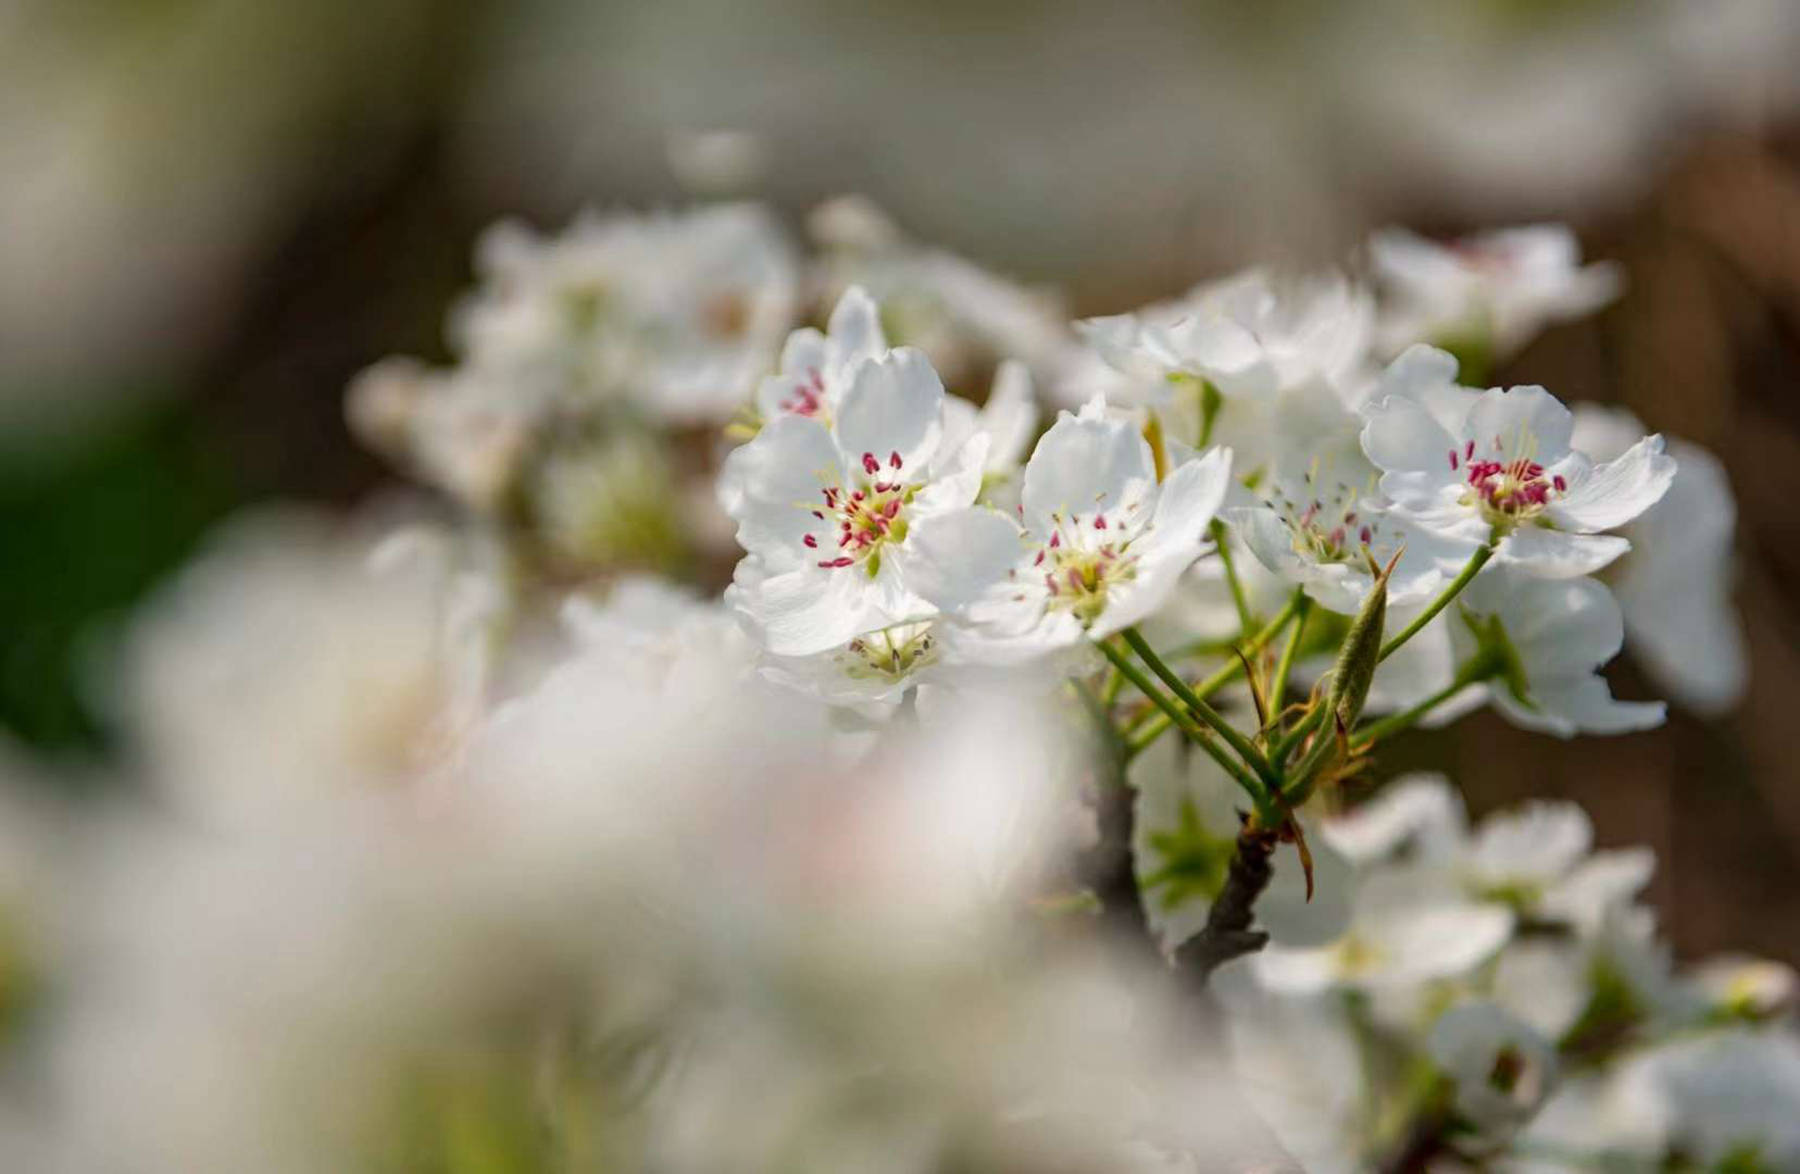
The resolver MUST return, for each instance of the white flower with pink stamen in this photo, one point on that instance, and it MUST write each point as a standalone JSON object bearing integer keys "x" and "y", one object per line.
{"x": 816, "y": 368}
{"x": 826, "y": 510}
{"x": 1102, "y": 545}
{"x": 1498, "y": 467}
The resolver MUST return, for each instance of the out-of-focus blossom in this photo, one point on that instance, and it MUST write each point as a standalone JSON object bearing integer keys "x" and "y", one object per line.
{"x": 1552, "y": 636}
{"x": 967, "y": 319}
{"x": 1501, "y": 1068}
{"x": 294, "y": 662}
{"x": 816, "y": 368}
{"x": 678, "y": 314}
{"x": 1490, "y": 293}
{"x": 1675, "y": 585}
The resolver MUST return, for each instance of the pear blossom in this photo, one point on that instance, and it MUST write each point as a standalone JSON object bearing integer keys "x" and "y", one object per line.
{"x": 677, "y": 314}
{"x": 1675, "y": 585}
{"x": 1102, "y": 546}
{"x": 1246, "y": 335}
{"x": 1502, "y": 471}
{"x": 1501, "y": 1067}
{"x": 1009, "y": 418}
{"x": 828, "y": 512}
{"x": 1493, "y": 290}
{"x": 1554, "y": 634}
{"x": 1404, "y": 931}
{"x": 963, "y": 316}
{"x": 1330, "y": 537}
{"x": 816, "y": 368}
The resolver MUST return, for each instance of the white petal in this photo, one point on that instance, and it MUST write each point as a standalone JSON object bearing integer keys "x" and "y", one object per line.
{"x": 1190, "y": 499}
{"x": 1617, "y": 491}
{"x": 1509, "y": 415}
{"x": 1401, "y": 435}
{"x": 1086, "y": 465}
{"x": 1585, "y": 705}
{"x": 1557, "y": 554}
{"x": 855, "y": 328}
{"x": 771, "y": 485}
{"x": 811, "y": 610}
{"x": 1010, "y": 415}
{"x": 959, "y": 556}
{"x": 894, "y": 405}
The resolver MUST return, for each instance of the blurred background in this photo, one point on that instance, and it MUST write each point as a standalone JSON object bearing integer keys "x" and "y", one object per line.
{"x": 213, "y": 213}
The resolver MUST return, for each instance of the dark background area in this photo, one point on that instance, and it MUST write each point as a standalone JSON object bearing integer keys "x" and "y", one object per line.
{"x": 282, "y": 251}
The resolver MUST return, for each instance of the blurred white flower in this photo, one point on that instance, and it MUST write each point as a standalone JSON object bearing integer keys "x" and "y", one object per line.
{"x": 1502, "y": 1068}
{"x": 1406, "y": 929}
{"x": 678, "y": 314}
{"x": 816, "y": 368}
{"x": 1675, "y": 585}
{"x": 1492, "y": 291}
{"x": 1552, "y": 635}
{"x": 966, "y": 318}
{"x": 1009, "y": 419}
{"x": 293, "y": 663}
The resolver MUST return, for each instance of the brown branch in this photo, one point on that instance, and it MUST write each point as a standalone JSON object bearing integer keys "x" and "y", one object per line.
{"x": 1227, "y": 933}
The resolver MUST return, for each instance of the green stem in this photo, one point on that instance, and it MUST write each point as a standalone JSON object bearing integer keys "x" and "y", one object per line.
{"x": 1185, "y": 724}
{"x": 1479, "y": 668}
{"x": 1246, "y": 620}
{"x": 1463, "y": 578}
{"x": 1200, "y": 708}
{"x": 1153, "y": 727}
{"x": 1301, "y": 606}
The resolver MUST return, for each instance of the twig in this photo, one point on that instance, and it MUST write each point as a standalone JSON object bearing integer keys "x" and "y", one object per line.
{"x": 1227, "y": 933}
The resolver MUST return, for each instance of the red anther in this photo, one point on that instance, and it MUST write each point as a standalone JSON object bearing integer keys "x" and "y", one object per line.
{"x": 1561, "y": 485}
{"x": 857, "y": 496}
{"x": 1074, "y": 578}
{"x": 810, "y": 540}
{"x": 894, "y": 459}
{"x": 1364, "y": 534}
{"x": 1469, "y": 453}
{"x": 818, "y": 515}
{"x": 1099, "y": 521}
{"x": 1039, "y": 560}
{"x": 840, "y": 561}
{"x": 891, "y": 508}
{"x": 1056, "y": 540}
{"x": 871, "y": 466}
{"x": 1050, "y": 582}
{"x": 1453, "y": 460}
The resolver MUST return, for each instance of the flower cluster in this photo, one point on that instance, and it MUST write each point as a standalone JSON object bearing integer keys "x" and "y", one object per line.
{"x": 458, "y": 842}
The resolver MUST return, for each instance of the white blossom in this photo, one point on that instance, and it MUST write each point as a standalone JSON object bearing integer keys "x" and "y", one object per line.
{"x": 1557, "y": 633}
{"x": 1675, "y": 585}
{"x": 1102, "y": 546}
{"x": 828, "y": 513}
{"x": 1493, "y": 290}
{"x": 1501, "y": 470}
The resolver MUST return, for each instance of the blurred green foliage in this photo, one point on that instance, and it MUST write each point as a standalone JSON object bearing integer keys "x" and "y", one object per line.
{"x": 85, "y": 530}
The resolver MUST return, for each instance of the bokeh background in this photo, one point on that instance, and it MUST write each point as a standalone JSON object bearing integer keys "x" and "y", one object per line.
{"x": 214, "y": 213}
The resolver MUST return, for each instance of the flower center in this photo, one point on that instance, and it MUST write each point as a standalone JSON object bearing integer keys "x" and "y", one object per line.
{"x": 1080, "y": 568}
{"x": 808, "y": 398}
{"x": 865, "y": 516}
{"x": 890, "y": 654}
{"x": 1507, "y": 488}
{"x": 1328, "y": 525}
